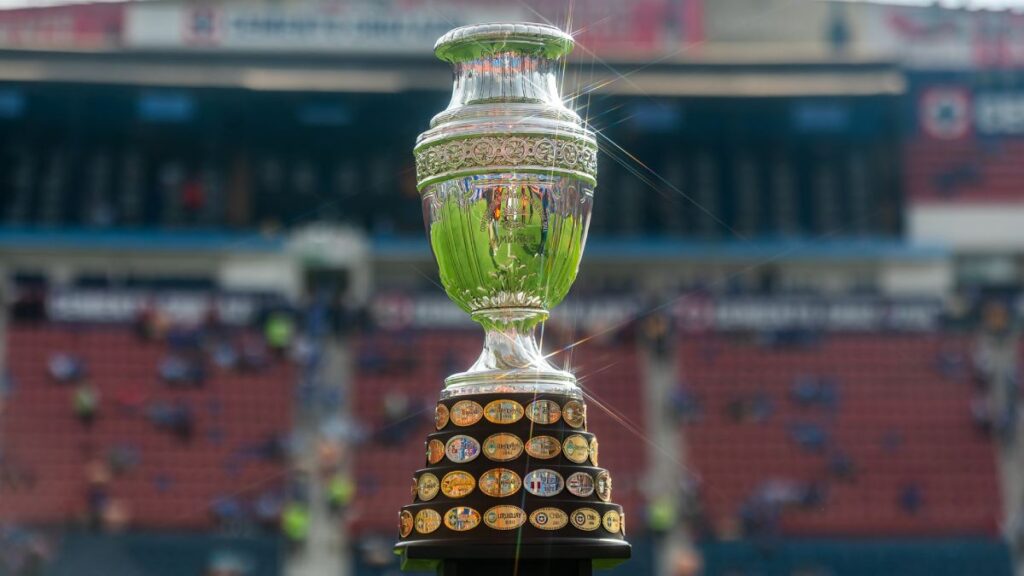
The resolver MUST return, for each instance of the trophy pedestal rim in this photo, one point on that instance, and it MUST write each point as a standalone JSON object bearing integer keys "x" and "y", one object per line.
{"x": 603, "y": 553}
{"x": 527, "y": 381}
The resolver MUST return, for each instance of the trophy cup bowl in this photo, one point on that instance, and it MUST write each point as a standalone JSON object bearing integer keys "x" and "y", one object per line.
{"x": 507, "y": 175}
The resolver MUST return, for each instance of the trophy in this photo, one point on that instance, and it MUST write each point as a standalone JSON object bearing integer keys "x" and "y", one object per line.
{"x": 507, "y": 175}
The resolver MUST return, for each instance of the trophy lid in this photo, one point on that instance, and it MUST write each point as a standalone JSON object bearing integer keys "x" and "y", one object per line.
{"x": 479, "y": 40}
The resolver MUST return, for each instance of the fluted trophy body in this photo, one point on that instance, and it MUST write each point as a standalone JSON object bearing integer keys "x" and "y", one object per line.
{"x": 506, "y": 175}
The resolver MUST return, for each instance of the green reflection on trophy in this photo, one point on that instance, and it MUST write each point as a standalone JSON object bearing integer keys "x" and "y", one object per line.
{"x": 507, "y": 175}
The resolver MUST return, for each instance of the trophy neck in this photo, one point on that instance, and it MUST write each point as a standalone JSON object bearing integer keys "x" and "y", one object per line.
{"x": 506, "y": 77}
{"x": 506, "y": 71}
{"x": 511, "y": 360}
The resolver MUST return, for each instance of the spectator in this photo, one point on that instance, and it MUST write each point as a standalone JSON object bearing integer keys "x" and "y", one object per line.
{"x": 193, "y": 198}
{"x": 227, "y": 511}
{"x": 661, "y": 515}
{"x": 150, "y": 323}
{"x": 809, "y": 391}
{"x": 757, "y": 408}
{"x": 910, "y": 499}
{"x": 122, "y": 458}
{"x": 809, "y": 436}
{"x": 841, "y": 467}
{"x": 86, "y": 403}
{"x": 657, "y": 334}
{"x": 950, "y": 363}
{"x": 295, "y": 523}
{"x": 184, "y": 422}
{"x": 183, "y": 371}
{"x": 761, "y": 511}
{"x": 279, "y": 331}
{"x": 254, "y": 355}
{"x": 65, "y": 368}
{"x": 685, "y": 407}
{"x": 144, "y": 322}
{"x": 178, "y": 419}
{"x": 686, "y": 562}
{"x": 97, "y": 477}
{"x": 340, "y": 491}
{"x": 267, "y": 508}
{"x": 225, "y": 356}
{"x": 117, "y": 515}
{"x": 6, "y": 387}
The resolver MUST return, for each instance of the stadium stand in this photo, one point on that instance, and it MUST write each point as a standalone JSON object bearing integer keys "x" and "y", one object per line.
{"x": 165, "y": 455}
{"x": 852, "y": 435}
{"x": 963, "y": 170}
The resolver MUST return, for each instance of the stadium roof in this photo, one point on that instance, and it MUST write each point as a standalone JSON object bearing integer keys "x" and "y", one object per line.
{"x": 319, "y": 73}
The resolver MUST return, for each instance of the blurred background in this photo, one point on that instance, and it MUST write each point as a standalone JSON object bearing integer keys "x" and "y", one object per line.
{"x": 797, "y": 319}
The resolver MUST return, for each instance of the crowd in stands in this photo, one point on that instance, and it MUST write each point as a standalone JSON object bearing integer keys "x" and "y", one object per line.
{"x": 837, "y": 435}
{"x": 817, "y": 425}
{"x": 205, "y": 377}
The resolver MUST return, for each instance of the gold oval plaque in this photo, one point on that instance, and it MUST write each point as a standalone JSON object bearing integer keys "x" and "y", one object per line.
{"x": 593, "y": 451}
{"x": 440, "y": 416}
{"x": 574, "y": 413}
{"x": 544, "y": 482}
{"x": 427, "y": 486}
{"x": 586, "y": 519}
{"x": 502, "y": 447}
{"x": 504, "y": 412}
{"x": 457, "y": 484}
{"x": 612, "y": 522}
{"x": 603, "y": 485}
{"x": 435, "y": 451}
{"x": 544, "y": 411}
{"x": 461, "y": 518}
{"x": 505, "y": 517}
{"x": 549, "y": 518}
{"x": 580, "y": 484}
{"x": 466, "y": 413}
{"x": 461, "y": 449}
{"x": 500, "y": 482}
{"x": 427, "y": 521}
{"x": 576, "y": 448}
{"x": 543, "y": 447}
{"x": 405, "y": 523}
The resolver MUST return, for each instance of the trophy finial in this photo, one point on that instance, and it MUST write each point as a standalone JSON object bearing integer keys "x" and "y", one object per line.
{"x": 481, "y": 40}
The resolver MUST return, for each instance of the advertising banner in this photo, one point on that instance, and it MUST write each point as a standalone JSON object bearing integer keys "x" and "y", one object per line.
{"x": 933, "y": 37}
{"x": 179, "y": 307}
{"x": 408, "y": 27}
{"x": 80, "y": 26}
{"x": 695, "y": 314}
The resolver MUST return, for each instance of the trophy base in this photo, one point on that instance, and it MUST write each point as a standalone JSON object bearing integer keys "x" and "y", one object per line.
{"x": 581, "y": 559}
{"x": 513, "y": 479}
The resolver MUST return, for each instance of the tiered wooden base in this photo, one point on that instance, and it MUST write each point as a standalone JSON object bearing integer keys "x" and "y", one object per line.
{"x": 512, "y": 480}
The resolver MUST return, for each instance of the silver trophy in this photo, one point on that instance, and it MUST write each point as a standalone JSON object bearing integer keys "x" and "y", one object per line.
{"x": 507, "y": 175}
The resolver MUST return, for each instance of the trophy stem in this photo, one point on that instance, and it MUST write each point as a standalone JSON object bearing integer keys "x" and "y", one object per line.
{"x": 511, "y": 360}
